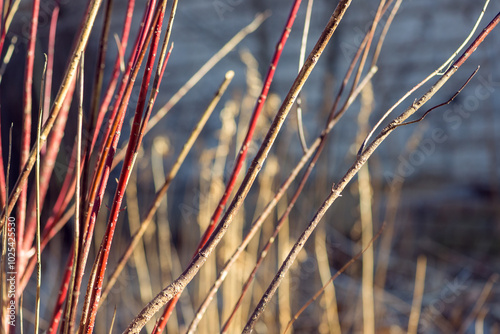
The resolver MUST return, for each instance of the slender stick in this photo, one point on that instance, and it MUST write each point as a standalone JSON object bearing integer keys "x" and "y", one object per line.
{"x": 330, "y": 316}
{"x": 162, "y": 191}
{"x": 76, "y": 233}
{"x": 61, "y": 95}
{"x": 360, "y": 161}
{"x": 63, "y": 291}
{"x": 307, "y": 23}
{"x": 102, "y": 171}
{"x": 179, "y": 284}
{"x": 26, "y": 131}
{"x": 53, "y": 144}
{"x": 116, "y": 69}
{"x": 38, "y": 207}
{"x": 50, "y": 62}
{"x": 136, "y": 135}
{"x": 366, "y": 216}
{"x": 95, "y": 116}
{"x": 436, "y": 72}
{"x": 47, "y": 168}
{"x": 242, "y": 153}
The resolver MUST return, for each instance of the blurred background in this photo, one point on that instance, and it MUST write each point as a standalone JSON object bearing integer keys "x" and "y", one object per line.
{"x": 436, "y": 183}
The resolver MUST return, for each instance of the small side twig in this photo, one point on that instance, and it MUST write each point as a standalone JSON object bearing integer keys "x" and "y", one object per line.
{"x": 421, "y": 83}
{"x": 444, "y": 103}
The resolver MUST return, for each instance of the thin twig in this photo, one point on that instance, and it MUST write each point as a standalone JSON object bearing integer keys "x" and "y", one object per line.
{"x": 50, "y": 62}
{"x": 365, "y": 191}
{"x": 444, "y": 103}
{"x": 179, "y": 284}
{"x": 26, "y": 129}
{"x": 61, "y": 297}
{"x": 38, "y": 208}
{"x": 353, "y": 170}
{"x": 383, "y": 34}
{"x": 242, "y": 153}
{"x": 163, "y": 190}
{"x": 136, "y": 134}
{"x": 76, "y": 233}
{"x": 305, "y": 33}
{"x": 421, "y": 83}
{"x": 337, "y": 274}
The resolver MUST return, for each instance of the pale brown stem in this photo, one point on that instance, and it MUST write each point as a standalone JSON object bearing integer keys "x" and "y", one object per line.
{"x": 180, "y": 283}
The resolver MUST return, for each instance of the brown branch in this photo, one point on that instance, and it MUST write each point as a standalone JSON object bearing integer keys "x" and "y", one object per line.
{"x": 353, "y": 170}
{"x": 180, "y": 283}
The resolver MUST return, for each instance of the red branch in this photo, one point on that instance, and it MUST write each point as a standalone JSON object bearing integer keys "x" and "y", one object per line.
{"x": 140, "y": 120}
{"x": 242, "y": 152}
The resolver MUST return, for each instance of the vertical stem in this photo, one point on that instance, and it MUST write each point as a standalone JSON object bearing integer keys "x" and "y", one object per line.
{"x": 136, "y": 134}
{"x": 50, "y": 63}
{"x": 365, "y": 208}
{"x": 418, "y": 293}
{"x": 76, "y": 233}
{"x": 38, "y": 208}
{"x": 26, "y": 132}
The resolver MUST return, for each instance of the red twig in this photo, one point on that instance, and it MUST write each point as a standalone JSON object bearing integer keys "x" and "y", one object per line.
{"x": 63, "y": 291}
{"x": 140, "y": 120}
{"x": 49, "y": 163}
{"x": 199, "y": 260}
{"x": 107, "y": 151}
{"x": 26, "y": 136}
{"x": 116, "y": 70}
{"x": 243, "y": 150}
{"x": 94, "y": 104}
{"x": 50, "y": 63}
